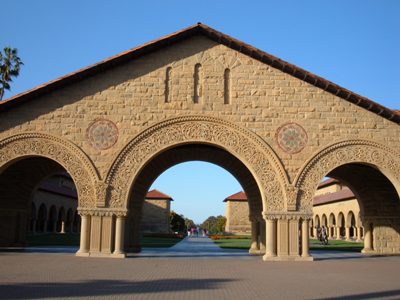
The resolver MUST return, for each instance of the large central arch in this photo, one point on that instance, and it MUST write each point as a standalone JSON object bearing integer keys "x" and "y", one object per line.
{"x": 250, "y": 149}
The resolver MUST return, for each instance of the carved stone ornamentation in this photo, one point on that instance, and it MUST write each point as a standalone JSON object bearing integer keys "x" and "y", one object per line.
{"x": 351, "y": 151}
{"x": 245, "y": 145}
{"x": 69, "y": 156}
{"x": 291, "y": 138}
{"x": 102, "y": 134}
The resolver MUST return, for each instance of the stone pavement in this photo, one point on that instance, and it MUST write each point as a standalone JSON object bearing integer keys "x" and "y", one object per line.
{"x": 36, "y": 274}
{"x": 195, "y": 248}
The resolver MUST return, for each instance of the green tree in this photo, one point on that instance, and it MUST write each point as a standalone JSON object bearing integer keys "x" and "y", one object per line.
{"x": 10, "y": 65}
{"x": 189, "y": 223}
{"x": 177, "y": 222}
{"x": 214, "y": 225}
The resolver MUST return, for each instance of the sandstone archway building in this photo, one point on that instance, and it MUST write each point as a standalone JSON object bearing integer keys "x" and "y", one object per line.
{"x": 199, "y": 94}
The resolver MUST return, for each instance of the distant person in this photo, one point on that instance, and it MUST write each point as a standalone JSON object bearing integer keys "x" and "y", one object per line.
{"x": 188, "y": 232}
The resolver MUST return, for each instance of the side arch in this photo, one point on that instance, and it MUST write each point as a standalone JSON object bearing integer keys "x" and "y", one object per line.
{"x": 365, "y": 152}
{"x": 256, "y": 155}
{"x": 65, "y": 153}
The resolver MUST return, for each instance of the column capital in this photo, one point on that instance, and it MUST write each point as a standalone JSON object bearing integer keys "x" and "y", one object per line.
{"x": 287, "y": 216}
{"x": 102, "y": 212}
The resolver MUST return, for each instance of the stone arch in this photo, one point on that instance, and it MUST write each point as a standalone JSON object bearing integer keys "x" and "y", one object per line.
{"x": 65, "y": 153}
{"x": 324, "y": 220}
{"x": 332, "y": 220}
{"x": 255, "y": 154}
{"x": 351, "y": 219}
{"x": 370, "y": 153}
{"x": 317, "y": 221}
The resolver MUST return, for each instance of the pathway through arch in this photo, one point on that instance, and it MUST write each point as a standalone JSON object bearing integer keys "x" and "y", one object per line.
{"x": 196, "y": 247}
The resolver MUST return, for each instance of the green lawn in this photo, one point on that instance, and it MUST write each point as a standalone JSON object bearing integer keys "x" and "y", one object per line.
{"x": 234, "y": 243}
{"x": 244, "y": 243}
{"x": 336, "y": 245}
{"x": 54, "y": 239}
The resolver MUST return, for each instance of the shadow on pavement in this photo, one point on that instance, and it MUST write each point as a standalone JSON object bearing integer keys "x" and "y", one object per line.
{"x": 106, "y": 287}
{"x": 394, "y": 294}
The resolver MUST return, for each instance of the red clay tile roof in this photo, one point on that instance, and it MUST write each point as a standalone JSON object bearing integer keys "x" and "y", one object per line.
{"x": 344, "y": 194}
{"x": 201, "y": 29}
{"x": 240, "y": 196}
{"x": 155, "y": 194}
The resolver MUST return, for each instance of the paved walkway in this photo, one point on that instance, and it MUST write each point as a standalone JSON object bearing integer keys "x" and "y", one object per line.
{"x": 193, "y": 247}
{"x": 179, "y": 273}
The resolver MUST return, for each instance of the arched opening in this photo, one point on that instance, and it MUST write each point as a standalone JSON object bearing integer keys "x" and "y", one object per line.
{"x": 42, "y": 219}
{"x": 341, "y": 226}
{"x": 366, "y": 203}
{"x": 332, "y": 224}
{"x": 33, "y": 219}
{"x": 26, "y": 184}
{"x": 351, "y": 225}
{"x": 186, "y": 153}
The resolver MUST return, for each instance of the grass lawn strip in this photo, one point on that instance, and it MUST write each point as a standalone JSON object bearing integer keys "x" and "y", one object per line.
{"x": 244, "y": 243}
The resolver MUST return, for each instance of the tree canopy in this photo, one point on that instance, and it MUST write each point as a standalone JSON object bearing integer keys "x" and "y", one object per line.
{"x": 214, "y": 225}
{"x": 10, "y": 65}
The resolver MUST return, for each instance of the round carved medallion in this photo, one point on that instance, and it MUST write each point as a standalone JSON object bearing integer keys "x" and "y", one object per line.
{"x": 291, "y": 137}
{"x": 102, "y": 134}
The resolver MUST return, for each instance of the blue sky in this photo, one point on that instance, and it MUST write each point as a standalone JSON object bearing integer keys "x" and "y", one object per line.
{"x": 354, "y": 43}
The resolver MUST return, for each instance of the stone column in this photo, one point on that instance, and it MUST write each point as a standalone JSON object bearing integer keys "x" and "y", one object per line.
{"x": 62, "y": 227}
{"x": 338, "y": 233}
{"x": 254, "y": 249}
{"x": 270, "y": 251}
{"x": 119, "y": 236}
{"x": 315, "y": 232}
{"x": 85, "y": 230}
{"x": 304, "y": 239}
{"x": 348, "y": 233}
{"x": 359, "y": 239}
{"x": 368, "y": 247}
{"x": 263, "y": 239}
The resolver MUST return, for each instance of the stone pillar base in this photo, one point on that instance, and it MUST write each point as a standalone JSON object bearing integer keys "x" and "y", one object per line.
{"x": 254, "y": 252}
{"x": 287, "y": 258}
{"x": 368, "y": 251}
{"x": 82, "y": 254}
{"x": 102, "y": 255}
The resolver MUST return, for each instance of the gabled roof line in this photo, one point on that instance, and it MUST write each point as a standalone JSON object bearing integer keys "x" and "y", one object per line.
{"x": 219, "y": 37}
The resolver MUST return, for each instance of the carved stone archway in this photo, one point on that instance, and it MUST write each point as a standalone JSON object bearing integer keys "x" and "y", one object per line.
{"x": 341, "y": 153}
{"x": 255, "y": 154}
{"x": 63, "y": 152}
{"x": 374, "y": 170}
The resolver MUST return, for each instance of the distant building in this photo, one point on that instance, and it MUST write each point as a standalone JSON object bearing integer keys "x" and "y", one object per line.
{"x": 156, "y": 210}
{"x": 55, "y": 203}
{"x": 335, "y": 206}
{"x": 237, "y": 214}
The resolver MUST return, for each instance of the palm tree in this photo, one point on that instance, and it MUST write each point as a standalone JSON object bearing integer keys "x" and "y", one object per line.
{"x": 10, "y": 65}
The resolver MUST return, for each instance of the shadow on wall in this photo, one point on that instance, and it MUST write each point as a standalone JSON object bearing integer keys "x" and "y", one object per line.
{"x": 106, "y": 287}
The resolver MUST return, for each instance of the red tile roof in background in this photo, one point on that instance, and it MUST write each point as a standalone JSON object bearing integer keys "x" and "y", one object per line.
{"x": 240, "y": 196}
{"x": 344, "y": 194}
{"x": 155, "y": 194}
{"x": 201, "y": 29}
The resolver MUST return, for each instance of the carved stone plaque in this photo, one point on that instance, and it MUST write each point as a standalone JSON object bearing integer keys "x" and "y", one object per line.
{"x": 102, "y": 134}
{"x": 291, "y": 138}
